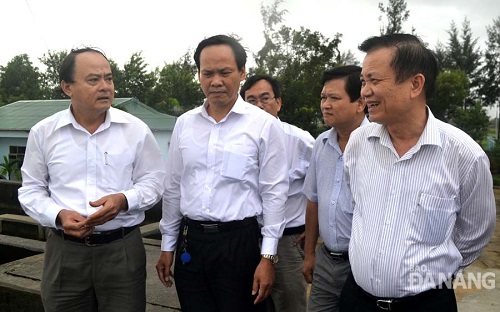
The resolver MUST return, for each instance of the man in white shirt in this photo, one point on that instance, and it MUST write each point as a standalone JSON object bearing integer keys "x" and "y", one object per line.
{"x": 89, "y": 174}
{"x": 329, "y": 210}
{"x": 225, "y": 168}
{"x": 422, "y": 190}
{"x": 289, "y": 292}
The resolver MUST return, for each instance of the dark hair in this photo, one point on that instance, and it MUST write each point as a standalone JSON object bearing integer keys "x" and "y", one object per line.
{"x": 239, "y": 52}
{"x": 411, "y": 57}
{"x": 350, "y": 74}
{"x": 67, "y": 68}
{"x": 249, "y": 82}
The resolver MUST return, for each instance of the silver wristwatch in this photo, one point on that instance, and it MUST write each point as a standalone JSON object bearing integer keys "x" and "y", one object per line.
{"x": 272, "y": 258}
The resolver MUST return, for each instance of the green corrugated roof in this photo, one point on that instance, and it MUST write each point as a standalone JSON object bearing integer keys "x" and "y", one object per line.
{"x": 22, "y": 115}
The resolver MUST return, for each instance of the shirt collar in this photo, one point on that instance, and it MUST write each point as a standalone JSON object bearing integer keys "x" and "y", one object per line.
{"x": 430, "y": 135}
{"x": 239, "y": 107}
{"x": 332, "y": 133}
{"x": 112, "y": 115}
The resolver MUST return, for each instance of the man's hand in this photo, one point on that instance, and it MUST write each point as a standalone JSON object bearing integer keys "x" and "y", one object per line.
{"x": 74, "y": 224}
{"x": 308, "y": 267}
{"x": 111, "y": 206}
{"x": 163, "y": 267}
{"x": 300, "y": 240}
{"x": 263, "y": 280}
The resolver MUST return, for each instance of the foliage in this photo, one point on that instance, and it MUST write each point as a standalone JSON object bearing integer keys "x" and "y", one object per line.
{"x": 489, "y": 86}
{"x": 462, "y": 53}
{"x": 297, "y": 58}
{"x": 136, "y": 81}
{"x": 19, "y": 80}
{"x": 396, "y": 14}
{"x": 452, "y": 87}
{"x": 494, "y": 157}
{"x": 473, "y": 120}
{"x": 9, "y": 167}
{"x": 177, "y": 90}
{"x": 51, "y": 86}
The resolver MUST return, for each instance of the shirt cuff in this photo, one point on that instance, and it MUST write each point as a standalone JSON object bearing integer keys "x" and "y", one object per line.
{"x": 269, "y": 246}
{"x": 168, "y": 242}
{"x": 132, "y": 199}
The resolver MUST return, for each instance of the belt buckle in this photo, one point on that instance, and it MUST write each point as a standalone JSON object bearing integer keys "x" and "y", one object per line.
{"x": 88, "y": 243}
{"x": 384, "y": 304}
{"x": 210, "y": 228}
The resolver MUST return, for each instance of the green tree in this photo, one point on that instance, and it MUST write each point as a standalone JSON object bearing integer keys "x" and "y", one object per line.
{"x": 137, "y": 81}
{"x": 177, "y": 90}
{"x": 489, "y": 86}
{"x": 9, "y": 167}
{"x": 473, "y": 120}
{"x": 462, "y": 53}
{"x": 452, "y": 88}
{"x": 51, "y": 84}
{"x": 297, "y": 58}
{"x": 396, "y": 14}
{"x": 19, "y": 80}
{"x": 117, "y": 77}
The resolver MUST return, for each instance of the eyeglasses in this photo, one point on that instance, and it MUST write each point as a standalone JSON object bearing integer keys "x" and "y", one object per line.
{"x": 265, "y": 100}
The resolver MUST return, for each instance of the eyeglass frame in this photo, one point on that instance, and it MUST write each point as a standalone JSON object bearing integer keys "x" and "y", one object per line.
{"x": 263, "y": 99}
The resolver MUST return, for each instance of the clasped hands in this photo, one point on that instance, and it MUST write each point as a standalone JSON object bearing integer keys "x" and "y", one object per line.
{"x": 75, "y": 224}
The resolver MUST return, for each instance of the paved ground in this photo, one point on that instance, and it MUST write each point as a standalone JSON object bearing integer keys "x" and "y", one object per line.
{"x": 486, "y": 271}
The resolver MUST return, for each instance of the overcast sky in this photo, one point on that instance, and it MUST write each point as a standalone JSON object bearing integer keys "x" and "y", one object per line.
{"x": 164, "y": 30}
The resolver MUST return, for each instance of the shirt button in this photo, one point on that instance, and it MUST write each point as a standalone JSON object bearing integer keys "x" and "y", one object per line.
{"x": 333, "y": 202}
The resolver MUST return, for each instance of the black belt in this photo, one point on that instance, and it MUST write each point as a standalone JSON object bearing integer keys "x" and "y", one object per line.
{"x": 344, "y": 255}
{"x": 294, "y": 230}
{"x": 98, "y": 238}
{"x": 216, "y": 227}
{"x": 403, "y": 303}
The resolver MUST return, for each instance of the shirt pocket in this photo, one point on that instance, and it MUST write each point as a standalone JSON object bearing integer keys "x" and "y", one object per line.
{"x": 118, "y": 168}
{"x": 237, "y": 160}
{"x": 432, "y": 220}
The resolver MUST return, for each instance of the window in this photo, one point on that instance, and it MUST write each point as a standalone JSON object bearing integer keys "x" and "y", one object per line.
{"x": 17, "y": 153}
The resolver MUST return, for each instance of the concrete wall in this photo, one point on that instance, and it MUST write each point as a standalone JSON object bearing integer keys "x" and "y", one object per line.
{"x": 8, "y": 197}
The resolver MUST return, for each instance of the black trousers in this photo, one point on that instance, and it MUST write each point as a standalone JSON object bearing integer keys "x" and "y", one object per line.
{"x": 219, "y": 276}
{"x": 353, "y": 299}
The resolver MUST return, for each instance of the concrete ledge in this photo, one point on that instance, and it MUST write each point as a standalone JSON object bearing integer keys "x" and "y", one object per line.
{"x": 20, "y": 279}
{"x": 21, "y": 226}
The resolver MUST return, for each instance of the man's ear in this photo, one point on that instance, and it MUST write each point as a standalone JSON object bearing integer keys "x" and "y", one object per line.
{"x": 66, "y": 88}
{"x": 278, "y": 104}
{"x": 417, "y": 85}
{"x": 361, "y": 104}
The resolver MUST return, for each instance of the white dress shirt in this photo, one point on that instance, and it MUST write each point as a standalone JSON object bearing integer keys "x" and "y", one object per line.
{"x": 325, "y": 185}
{"x": 225, "y": 171}
{"x": 298, "y": 146}
{"x": 421, "y": 217}
{"x": 65, "y": 167}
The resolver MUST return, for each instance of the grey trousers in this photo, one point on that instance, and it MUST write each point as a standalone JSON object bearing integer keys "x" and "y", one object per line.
{"x": 105, "y": 278}
{"x": 329, "y": 278}
{"x": 289, "y": 292}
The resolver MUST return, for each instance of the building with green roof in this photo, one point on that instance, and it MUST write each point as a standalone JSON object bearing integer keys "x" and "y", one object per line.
{"x": 16, "y": 120}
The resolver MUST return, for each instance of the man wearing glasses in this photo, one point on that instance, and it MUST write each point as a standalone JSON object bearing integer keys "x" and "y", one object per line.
{"x": 289, "y": 290}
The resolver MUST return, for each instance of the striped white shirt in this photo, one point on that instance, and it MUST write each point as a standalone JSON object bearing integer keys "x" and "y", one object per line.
{"x": 421, "y": 217}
